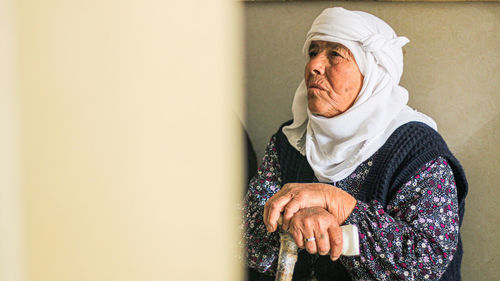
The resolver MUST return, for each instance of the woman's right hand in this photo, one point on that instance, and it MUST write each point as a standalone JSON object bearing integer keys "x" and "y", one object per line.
{"x": 296, "y": 196}
{"x": 322, "y": 229}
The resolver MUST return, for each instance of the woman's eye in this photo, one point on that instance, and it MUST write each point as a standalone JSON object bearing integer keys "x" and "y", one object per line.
{"x": 312, "y": 54}
{"x": 335, "y": 54}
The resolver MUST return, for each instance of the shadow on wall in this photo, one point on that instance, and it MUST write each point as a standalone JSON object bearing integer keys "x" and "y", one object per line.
{"x": 480, "y": 157}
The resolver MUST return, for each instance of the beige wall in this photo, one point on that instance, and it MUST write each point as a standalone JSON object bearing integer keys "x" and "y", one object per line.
{"x": 10, "y": 223}
{"x": 452, "y": 71}
{"x": 120, "y": 115}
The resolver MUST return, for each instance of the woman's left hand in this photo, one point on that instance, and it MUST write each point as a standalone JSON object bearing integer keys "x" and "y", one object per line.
{"x": 295, "y": 196}
{"x": 316, "y": 230}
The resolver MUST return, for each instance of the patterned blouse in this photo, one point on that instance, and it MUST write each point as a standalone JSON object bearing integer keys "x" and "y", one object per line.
{"x": 413, "y": 238}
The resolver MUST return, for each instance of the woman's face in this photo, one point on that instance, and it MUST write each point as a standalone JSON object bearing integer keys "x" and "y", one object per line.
{"x": 332, "y": 78}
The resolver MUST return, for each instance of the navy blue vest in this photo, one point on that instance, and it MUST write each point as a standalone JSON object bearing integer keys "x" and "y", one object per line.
{"x": 407, "y": 150}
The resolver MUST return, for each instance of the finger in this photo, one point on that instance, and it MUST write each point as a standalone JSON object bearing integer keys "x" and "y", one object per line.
{"x": 268, "y": 204}
{"x": 290, "y": 209}
{"x": 274, "y": 209}
{"x": 336, "y": 242}
{"x": 310, "y": 240}
{"x": 297, "y": 236}
{"x": 284, "y": 189}
{"x": 266, "y": 209}
{"x": 323, "y": 243}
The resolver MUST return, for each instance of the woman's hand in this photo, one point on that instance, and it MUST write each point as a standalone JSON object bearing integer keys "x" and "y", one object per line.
{"x": 295, "y": 196}
{"x": 316, "y": 230}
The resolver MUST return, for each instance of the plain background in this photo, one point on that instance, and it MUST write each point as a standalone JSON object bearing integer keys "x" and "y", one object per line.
{"x": 452, "y": 72}
{"x": 119, "y": 142}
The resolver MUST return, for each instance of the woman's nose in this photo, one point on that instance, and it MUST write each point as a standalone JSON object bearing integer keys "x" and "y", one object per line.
{"x": 317, "y": 65}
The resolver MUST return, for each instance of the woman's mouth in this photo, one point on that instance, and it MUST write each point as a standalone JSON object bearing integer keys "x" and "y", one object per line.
{"x": 316, "y": 86}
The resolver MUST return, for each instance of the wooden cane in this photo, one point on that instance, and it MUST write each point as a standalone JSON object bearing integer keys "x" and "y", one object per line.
{"x": 289, "y": 250}
{"x": 287, "y": 256}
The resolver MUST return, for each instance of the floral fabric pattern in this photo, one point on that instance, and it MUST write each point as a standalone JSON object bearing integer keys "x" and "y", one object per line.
{"x": 415, "y": 235}
{"x": 262, "y": 247}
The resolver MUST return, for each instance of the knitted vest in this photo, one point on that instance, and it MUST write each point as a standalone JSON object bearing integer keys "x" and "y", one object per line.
{"x": 404, "y": 153}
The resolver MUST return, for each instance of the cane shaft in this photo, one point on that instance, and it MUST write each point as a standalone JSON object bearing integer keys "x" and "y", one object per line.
{"x": 287, "y": 257}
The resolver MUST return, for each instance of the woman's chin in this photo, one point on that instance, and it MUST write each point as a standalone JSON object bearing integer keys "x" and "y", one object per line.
{"x": 314, "y": 108}
{"x": 320, "y": 110}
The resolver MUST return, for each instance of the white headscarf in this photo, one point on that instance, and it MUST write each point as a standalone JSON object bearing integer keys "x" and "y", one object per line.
{"x": 335, "y": 146}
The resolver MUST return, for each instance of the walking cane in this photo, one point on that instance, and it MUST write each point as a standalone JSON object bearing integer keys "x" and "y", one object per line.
{"x": 288, "y": 250}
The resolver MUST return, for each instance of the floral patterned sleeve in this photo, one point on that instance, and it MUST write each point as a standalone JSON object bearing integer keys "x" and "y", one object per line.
{"x": 262, "y": 248}
{"x": 417, "y": 234}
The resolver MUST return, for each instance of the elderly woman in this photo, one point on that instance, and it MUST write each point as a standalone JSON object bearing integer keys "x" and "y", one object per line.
{"x": 355, "y": 153}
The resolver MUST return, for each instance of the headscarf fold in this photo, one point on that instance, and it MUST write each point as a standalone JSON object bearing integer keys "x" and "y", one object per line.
{"x": 335, "y": 146}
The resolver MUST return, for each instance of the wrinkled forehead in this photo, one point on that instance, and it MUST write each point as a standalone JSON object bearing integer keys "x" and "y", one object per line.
{"x": 320, "y": 43}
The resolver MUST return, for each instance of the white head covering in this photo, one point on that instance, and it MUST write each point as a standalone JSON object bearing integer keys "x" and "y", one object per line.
{"x": 335, "y": 146}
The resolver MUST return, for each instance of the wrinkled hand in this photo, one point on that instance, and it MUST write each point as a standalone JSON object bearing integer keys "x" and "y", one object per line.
{"x": 318, "y": 223}
{"x": 295, "y": 196}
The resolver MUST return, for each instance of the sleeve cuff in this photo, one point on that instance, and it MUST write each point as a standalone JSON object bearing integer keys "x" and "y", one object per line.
{"x": 350, "y": 238}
